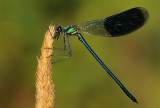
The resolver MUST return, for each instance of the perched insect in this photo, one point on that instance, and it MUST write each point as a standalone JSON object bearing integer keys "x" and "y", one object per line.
{"x": 113, "y": 26}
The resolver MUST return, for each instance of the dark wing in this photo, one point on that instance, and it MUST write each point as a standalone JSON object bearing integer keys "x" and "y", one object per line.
{"x": 116, "y": 25}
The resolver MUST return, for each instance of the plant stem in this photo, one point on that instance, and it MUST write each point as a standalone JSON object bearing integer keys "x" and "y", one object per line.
{"x": 44, "y": 86}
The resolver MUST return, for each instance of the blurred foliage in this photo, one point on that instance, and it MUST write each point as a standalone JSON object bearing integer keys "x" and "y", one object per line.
{"x": 58, "y": 7}
{"x": 80, "y": 81}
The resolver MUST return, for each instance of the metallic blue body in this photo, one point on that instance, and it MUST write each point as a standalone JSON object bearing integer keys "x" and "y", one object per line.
{"x": 106, "y": 68}
{"x": 74, "y": 31}
{"x": 113, "y": 26}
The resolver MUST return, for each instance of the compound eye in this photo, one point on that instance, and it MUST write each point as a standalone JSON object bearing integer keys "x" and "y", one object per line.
{"x": 59, "y": 29}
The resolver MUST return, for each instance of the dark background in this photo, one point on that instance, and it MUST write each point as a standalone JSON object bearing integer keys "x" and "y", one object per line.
{"x": 80, "y": 82}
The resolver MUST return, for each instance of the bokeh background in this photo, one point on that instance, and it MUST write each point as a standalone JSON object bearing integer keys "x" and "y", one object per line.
{"x": 80, "y": 82}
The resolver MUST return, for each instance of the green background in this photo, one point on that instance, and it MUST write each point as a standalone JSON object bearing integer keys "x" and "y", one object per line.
{"x": 80, "y": 82}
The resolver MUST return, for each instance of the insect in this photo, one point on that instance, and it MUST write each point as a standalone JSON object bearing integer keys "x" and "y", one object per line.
{"x": 113, "y": 26}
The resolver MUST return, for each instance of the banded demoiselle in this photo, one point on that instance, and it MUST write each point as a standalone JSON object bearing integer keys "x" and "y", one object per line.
{"x": 113, "y": 26}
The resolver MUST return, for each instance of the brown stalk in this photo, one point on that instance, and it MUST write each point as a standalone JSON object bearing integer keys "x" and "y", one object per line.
{"x": 44, "y": 86}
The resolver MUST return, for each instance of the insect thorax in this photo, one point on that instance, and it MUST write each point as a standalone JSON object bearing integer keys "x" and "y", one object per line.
{"x": 71, "y": 30}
